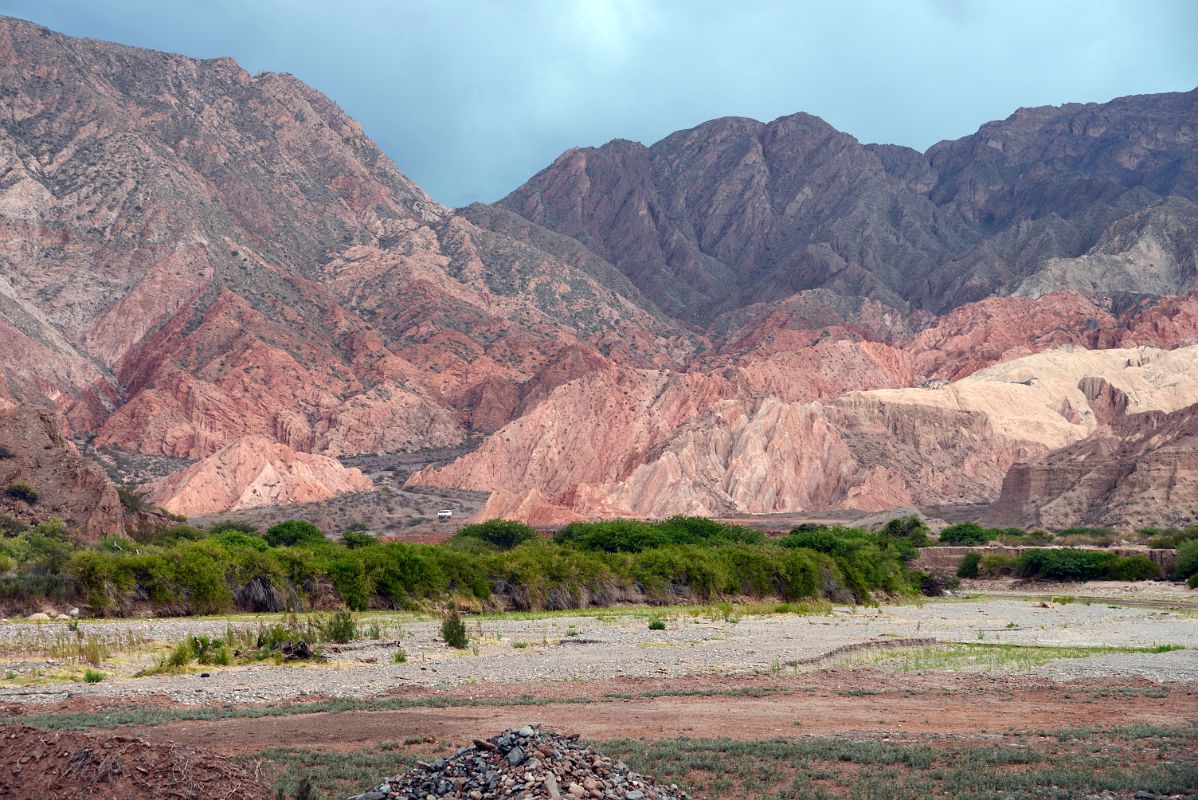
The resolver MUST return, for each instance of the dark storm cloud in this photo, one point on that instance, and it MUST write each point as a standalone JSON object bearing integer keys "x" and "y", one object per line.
{"x": 471, "y": 98}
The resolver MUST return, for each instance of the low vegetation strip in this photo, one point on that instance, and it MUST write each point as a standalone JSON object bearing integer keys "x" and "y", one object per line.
{"x": 501, "y": 565}
{"x": 497, "y": 565}
{"x": 873, "y": 644}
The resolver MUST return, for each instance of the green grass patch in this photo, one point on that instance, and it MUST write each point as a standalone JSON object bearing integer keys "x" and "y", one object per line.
{"x": 984, "y": 657}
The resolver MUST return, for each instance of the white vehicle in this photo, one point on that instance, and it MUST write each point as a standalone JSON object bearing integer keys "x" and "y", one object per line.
{"x": 444, "y": 513}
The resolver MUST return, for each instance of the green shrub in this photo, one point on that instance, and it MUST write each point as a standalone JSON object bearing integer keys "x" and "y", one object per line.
{"x": 503, "y": 534}
{"x": 134, "y": 498}
{"x": 657, "y": 624}
{"x": 179, "y": 657}
{"x": 1094, "y": 537}
{"x": 355, "y": 539}
{"x": 92, "y": 676}
{"x": 340, "y": 628}
{"x": 1171, "y": 539}
{"x": 967, "y": 533}
{"x": 453, "y": 630}
{"x": 912, "y": 529}
{"x": 993, "y": 565}
{"x": 294, "y": 532}
{"x": 1070, "y": 564}
{"x": 866, "y": 561}
{"x": 400, "y": 655}
{"x": 968, "y": 568}
{"x": 935, "y": 584}
{"x": 1135, "y": 568}
{"x": 612, "y": 536}
{"x": 1066, "y": 564}
{"x": 233, "y": 568}
{"x": 233, "y": 539}
{"x": 1187, "y": 560}
{"x": 199, "y": 572}
{"x": 233, "y": 525}
{"x": 635, "y": 536}
{"x": 24, "y": 492}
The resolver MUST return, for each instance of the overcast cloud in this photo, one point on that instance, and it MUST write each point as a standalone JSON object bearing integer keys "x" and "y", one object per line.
{"x": 471, "y": 97}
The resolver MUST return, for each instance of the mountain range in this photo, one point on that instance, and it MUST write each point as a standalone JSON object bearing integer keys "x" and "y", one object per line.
{"x": 221, "y": 269}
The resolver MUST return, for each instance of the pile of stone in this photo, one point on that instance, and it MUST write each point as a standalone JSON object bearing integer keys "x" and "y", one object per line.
{"x": 527, "y": 762}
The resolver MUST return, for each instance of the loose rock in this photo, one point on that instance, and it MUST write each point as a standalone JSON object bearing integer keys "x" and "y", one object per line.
{"x": 491, "y": 768}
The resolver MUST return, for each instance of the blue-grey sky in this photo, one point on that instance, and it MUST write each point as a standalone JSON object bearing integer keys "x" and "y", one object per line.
{"x": 472, "y": 97}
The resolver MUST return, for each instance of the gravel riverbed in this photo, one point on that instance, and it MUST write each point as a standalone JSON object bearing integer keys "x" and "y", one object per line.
{"x": 581, "y": 647}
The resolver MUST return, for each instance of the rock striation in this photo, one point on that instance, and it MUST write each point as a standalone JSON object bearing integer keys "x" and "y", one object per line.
{"x": 1141, "y": 470}
{"x": 678, "y": 444}
{"x": 255, "y": 471}
{"x": 193, "y": 254}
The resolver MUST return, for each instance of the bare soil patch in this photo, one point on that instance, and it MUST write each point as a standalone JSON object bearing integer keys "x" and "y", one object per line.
{"x": 829, "y": 703}
{"x": 39, "y": 764}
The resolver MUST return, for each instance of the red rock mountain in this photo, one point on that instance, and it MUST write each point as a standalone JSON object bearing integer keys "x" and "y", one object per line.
{"x": 744, "y": 317}
{"x": 193, "y": 254}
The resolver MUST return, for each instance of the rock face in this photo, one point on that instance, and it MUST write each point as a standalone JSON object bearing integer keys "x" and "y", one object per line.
{"x": 33, "y": 452}
{"x": 1139, "y": 471}
{"x": 679, "y": 444}
{"x": 255, "y": 471}
{"x": 735, "y": 211}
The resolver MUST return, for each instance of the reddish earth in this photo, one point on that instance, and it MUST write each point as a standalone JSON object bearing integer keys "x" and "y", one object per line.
{"x": 36, "y": 764}
{"x": 829, "y": 703}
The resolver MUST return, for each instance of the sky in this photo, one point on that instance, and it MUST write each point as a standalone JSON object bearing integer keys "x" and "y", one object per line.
{"x": 473, "y": 97}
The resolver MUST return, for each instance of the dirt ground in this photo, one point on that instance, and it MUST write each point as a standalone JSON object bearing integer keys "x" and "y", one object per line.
{"x": 39, "y": 764}
{"x": 826, "y": 703}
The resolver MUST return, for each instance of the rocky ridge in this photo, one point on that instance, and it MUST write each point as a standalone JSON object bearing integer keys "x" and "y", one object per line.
{"x": 1140, "y": 470}
{"x": 735, "y": 211}
{"x": 191, "y": 255}
{"x": 201, "y": 254}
